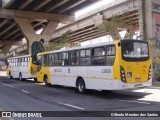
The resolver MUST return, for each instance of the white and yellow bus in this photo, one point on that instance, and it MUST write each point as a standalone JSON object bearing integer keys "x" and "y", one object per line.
{"x": 112, "y": 65}
{"x": 22, "y": 67}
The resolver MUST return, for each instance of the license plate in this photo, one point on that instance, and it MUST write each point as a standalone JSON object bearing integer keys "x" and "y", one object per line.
{"x": 137, "y": 79}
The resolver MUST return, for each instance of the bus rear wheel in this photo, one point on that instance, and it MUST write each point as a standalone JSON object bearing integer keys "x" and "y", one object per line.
{"x": 35, "y": 79}
{"x": 46, "y": 81}
{"x": 10, "y": 75}
{"x": 81, "y": 87}
{"x": 20, "y": 77}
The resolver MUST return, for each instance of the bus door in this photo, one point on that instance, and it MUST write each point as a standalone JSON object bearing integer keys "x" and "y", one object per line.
{"x": 39, "y": 69}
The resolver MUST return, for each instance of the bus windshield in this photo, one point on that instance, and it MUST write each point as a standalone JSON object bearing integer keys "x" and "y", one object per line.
{"x": 135, "y": 50}
{"x": 34, "y": 59}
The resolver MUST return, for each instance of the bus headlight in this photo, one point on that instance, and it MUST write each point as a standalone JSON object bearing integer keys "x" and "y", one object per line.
{"x": 123, "y": 76}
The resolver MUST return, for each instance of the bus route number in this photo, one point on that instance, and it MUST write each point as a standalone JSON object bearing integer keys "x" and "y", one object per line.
{"x": 106, "y": 71}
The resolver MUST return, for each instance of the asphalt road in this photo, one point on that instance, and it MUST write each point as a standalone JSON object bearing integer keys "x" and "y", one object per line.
{"x": 28, "y": 95}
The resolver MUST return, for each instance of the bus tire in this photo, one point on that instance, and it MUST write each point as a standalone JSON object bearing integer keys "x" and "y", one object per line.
{"x": 20, "y": 77}
{"x": 81, "y": 87}
{"x": 35, "y": 79}
{"x": 10, "y": 75}
{"x": 46, "y": 81}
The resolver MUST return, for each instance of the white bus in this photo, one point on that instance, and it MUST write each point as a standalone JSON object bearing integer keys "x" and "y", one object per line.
{"x": 22, "y": 67}
{"x": 113, "y": 65}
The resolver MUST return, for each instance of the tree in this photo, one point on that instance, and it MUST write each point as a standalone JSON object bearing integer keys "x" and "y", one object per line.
{"x": 62, "y": 42}
{"x": 113, "y": 26}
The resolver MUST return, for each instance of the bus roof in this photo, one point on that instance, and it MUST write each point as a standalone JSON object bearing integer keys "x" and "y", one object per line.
{"x": 79, "y": 47}
{"x": 20, "y": 56}
{"x": 88, "y": 46}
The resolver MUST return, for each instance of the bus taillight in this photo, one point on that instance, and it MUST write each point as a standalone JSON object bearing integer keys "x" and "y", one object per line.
{"x": 150, "y": 73}
{"x": 123, "y": 76}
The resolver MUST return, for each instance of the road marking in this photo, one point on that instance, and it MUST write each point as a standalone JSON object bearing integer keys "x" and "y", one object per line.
{"x": 73, "y": 106}
{"x": 134, "y": 101}
{"x": 25, "y": 91}
{"x": 7, "y": 85}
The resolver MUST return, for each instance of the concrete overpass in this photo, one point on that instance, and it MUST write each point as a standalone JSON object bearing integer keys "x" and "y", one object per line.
{"x": 138, "y": 14}
{"x": 85, "y": 28}
{"x": 20, "y": 19}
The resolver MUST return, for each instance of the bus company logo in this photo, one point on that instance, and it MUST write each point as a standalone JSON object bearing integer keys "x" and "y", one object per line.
{"x": 129, "y": 74}
{"x": 6, "y": 114}
{"x": 57, "y": 70}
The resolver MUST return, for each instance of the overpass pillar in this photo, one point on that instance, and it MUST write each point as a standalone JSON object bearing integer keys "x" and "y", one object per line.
{"x": 30, "y": 34}
{"x": 150, "y": 21}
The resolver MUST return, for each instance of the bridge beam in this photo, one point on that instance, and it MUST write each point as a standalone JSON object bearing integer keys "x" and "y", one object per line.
{"x": 92, "y": 20}
{"x": 8, "y": 13}
{"x": 5, "y": 49}
{"x": 30, "y": 34}
{"x": 6, "y": 3}
{"x": 10, "y": 42}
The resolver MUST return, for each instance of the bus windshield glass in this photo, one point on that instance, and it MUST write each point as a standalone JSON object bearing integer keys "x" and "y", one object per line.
{"x": 34, "y": 59}
{"x": 135, "y": 50}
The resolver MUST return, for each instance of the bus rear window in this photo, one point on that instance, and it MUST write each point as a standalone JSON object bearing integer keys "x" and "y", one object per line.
{"x": 135, "y": 51}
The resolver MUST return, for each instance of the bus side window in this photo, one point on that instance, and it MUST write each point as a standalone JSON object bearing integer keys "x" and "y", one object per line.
{"x": 85, "y": 57}
{"x": 72, "y": 58}
{"x": 51, "y": 59}
{"x": 77, "y": 57}
{"x": 46, "y": 60}
{"x": 26, "y": 61}
{"x": 58, "y": 59}
{"x": 14, "y": 62}
{"x": 98, "y": 56}
{"x": 110, "y": 55}
{"x": 65, "y": 60}
{"x": 19, "y": 61}
{"x": 22, "y": 63}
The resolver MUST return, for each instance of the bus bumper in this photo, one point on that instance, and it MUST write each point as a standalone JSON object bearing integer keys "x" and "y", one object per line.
{"x": 122, "y": 85}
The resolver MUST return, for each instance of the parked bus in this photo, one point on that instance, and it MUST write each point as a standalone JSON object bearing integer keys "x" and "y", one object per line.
{"x": 22, "y": 67}
{"x": 112, "y": 65}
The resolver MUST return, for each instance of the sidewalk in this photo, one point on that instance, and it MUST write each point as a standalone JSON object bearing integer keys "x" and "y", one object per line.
{"x": 156, "y": 85}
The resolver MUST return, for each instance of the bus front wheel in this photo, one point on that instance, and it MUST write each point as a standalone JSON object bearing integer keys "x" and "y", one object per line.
{"x": 46, "y": 81}
{"x": 81, "y": 87}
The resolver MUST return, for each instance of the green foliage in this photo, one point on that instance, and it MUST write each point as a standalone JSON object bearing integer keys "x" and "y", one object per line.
{"x": 62, "y": 42}
{"x": 111, "y": 27}
{"x": 153, "y": 53}
{"x": 9, "y": 56}
{"x": 156, "y": 70}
